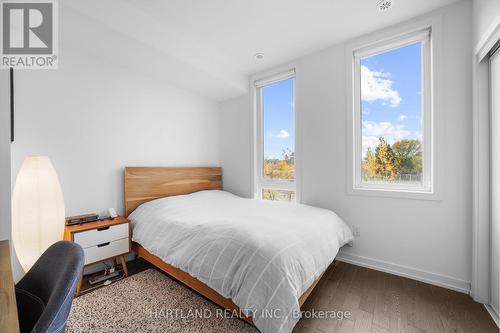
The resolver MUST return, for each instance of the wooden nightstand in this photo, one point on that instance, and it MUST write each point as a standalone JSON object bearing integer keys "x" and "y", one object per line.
{"x": 101, "y": 240}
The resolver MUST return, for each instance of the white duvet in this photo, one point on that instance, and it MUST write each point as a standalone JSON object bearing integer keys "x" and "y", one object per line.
{"x": 261, "y": 254}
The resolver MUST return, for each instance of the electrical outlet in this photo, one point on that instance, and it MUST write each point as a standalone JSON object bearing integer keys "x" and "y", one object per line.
{"x": 356, "y": 231}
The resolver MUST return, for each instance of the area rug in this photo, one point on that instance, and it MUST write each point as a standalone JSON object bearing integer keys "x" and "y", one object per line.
{"x": 149, "y": 302}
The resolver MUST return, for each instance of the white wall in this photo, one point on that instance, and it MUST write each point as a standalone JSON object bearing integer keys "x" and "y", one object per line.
{"x": 92, "y": 120}
{"x": 4, "y": 156}
{"x": 485, "y": 13}
{"x": 235, "y": 138}
{"x": 93, "y": 117}
{"x": 429, "y": 240}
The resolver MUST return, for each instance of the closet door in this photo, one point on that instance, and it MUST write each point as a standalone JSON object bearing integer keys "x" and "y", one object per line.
{"x": 495, "y": 177}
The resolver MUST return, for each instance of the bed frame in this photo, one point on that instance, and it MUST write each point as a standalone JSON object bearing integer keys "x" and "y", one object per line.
{"x": 143, "y": 184}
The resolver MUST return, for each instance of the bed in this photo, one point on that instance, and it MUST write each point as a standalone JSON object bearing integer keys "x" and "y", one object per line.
{"x": 260, "y": 260}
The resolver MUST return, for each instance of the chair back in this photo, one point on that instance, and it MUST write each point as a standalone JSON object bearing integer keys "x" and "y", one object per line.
{"x": 44, "y": 295}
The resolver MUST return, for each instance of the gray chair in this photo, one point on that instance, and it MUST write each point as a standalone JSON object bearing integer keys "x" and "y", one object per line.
{"x": 44, "y": 295}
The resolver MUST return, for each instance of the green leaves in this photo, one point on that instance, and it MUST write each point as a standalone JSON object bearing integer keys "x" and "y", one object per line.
{"x": 400, "y": 161}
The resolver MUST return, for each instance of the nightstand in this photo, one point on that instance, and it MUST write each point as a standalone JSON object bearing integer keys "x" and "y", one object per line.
{"x": 101, "y": 240}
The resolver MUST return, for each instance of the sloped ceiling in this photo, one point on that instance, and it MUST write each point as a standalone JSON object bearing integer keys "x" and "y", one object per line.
{"x": 208, "y": 46}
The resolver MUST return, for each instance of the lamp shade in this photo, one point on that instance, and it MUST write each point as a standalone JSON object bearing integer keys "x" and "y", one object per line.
{"x": 37, "y": 210}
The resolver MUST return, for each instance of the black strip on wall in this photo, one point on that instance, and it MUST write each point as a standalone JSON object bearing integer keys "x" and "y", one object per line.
{"x": 11, "y": 104}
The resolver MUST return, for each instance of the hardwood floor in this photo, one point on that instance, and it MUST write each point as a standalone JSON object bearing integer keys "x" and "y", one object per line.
{"x": 381, "y": 302}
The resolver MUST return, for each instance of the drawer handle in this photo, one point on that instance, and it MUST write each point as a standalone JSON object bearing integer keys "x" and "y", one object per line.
{"x": 103, "y": 228}
{"x": 103, "y": 244}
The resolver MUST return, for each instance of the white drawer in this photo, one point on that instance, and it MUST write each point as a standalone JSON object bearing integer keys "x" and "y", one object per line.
{"x": 98, "y": 236}
{"x": 106, "y": 250}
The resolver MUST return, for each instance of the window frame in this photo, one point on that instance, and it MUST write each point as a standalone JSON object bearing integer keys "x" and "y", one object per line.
{"x": 260, "y": 183}
{"x": 424, "y": 36}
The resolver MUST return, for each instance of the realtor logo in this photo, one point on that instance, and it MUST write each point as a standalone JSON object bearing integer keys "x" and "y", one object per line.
{"x": 29, "y": 34}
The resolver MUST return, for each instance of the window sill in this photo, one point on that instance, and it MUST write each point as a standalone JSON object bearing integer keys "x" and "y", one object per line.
{"x": 394, "y": 193}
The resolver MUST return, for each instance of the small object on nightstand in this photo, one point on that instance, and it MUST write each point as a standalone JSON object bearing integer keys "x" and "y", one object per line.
{"x": 112, "y": 213}
{"x": 81, "y": 219}
{"x": 101, "y": 240}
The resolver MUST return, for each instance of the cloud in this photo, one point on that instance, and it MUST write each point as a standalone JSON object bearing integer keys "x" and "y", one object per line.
{"x": 372, "y": 131}
{"x": 385, "y": 129}
{"x": 402, "y": 117}
{"x": 281, "y": 134}
{"x": 369, "y": 142}
{"x": 377, "y": 85}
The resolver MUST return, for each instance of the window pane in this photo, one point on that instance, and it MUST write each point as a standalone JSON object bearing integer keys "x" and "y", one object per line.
{"x": 278, "y": 195}
{"x": 278, "y": 131}
{"x": 391, "y": 116}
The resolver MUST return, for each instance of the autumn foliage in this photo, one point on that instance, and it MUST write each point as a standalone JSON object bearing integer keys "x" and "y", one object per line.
{"x": 400, "y": 162}
{"x": 283, "y": 169}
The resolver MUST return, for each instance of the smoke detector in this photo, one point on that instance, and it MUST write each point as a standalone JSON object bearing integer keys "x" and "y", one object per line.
{"x": 259, "y": 56}
{"x": 384, "y": 5}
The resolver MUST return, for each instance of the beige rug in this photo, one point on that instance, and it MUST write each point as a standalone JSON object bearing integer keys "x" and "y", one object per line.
{"x": 149, "y": 302}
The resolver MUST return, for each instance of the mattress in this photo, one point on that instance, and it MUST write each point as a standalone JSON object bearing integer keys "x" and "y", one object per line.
{"x": 261, "y": 254}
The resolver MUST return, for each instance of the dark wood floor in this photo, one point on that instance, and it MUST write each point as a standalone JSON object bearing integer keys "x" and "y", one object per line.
{"x": 380, "y": 302}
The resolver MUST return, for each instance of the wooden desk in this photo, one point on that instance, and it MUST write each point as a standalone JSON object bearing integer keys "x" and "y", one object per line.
{"x": 8, "y": 307}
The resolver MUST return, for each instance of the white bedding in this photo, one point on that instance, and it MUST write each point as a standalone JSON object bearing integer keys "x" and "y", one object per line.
{"x": 261, "y": 254}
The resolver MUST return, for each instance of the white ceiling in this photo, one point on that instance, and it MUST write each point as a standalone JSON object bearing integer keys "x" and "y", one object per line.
{"x": 217, "y": 39}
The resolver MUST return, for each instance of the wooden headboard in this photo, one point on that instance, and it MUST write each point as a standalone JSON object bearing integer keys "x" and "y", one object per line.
{"x": 143, "y": 184}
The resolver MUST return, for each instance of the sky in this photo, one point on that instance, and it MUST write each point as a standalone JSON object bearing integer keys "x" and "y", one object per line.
{"x": 390, "y": 102}
{"x": 278, "y": 126}
{"x": 391, "y": 96}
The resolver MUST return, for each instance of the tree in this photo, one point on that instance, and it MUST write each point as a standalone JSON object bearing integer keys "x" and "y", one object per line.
{"x": 280, "y": 168}
{"x": 408, "y": 156}
{"x": 370, "y": 165}
{"x": 384, "y": 156}
{"x": 389, "y": 163}
{"x": 288, "y": 156}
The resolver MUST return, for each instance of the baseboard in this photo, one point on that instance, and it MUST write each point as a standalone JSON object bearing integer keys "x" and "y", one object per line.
{"x": 408, "y": 272}
{"x": 493, "y": 313}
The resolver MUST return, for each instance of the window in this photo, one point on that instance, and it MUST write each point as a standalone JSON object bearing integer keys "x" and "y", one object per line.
{"x": 275, "y": 138}
{"x": 392, "y": 115}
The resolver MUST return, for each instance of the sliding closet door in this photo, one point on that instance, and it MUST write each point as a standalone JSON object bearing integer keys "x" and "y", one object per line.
{"x": 495, "y": 177}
